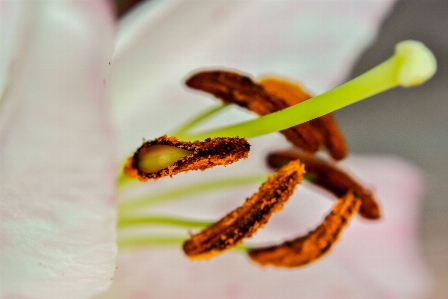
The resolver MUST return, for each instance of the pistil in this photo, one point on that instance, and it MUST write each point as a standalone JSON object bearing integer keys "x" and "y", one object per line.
{"x": 411, "y": 65}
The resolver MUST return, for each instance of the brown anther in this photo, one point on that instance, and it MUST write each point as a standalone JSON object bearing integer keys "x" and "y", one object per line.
{"x": 205, "y": 154}
{"x": 326, "y": 125}
{"x": 306, "y": 249}
{"x": 245, "y": 220}
{"x": 330, "y": 178}
{"x": 333, "y": 138}
{"x": 269, "y": 96}
{"x": 241, "y": 90}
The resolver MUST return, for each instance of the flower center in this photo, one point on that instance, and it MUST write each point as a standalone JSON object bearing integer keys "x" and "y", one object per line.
{"x": 305, "y": 122}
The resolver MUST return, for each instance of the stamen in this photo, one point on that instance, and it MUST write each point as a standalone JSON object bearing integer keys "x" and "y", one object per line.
{"x": 306, "y": 249}
{"x": 160, "y": 241}
{"x": 412, "y": 64}
{"x": 247, "y": 219}
{"x": 198, "y": 119}
{"x": 183, "y": 192}
{"x": 330, "y": 178}
{"x": 150, "y": 241}
{"x": 126, "y": 221}
{"x": 202, "y": 155}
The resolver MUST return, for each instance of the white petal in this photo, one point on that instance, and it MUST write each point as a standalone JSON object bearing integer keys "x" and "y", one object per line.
{"x": 314, "y": 42}
{"x": 377, "y": 259}
{"x": 57, "y": 163}
{"x": 12, "y": 24}
{"x": 15, "y": 20}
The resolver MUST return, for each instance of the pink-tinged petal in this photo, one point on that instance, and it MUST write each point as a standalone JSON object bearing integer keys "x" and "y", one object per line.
{"x": 57, "y": 217}
{"x": 375, "y": 259}
{"x": 161, "y": 43}
{"x": 391, "y": 258}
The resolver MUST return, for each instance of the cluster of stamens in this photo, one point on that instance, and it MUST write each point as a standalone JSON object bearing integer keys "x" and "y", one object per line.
{"x": 168, "y": 156}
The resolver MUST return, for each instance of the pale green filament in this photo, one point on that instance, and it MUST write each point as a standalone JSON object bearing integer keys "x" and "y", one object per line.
{"x": 191, "y": 190}
{"x": 157, "y": 157}
{"x": 150, "y": 241}
{"x": 128, "y": 217}
{"x": 126, "y": 221}
{"x": 412, "y": 65}
{"x": 199, "y": 118}
{"x": 161, "y": 241}
{"x": 124, "y": 181}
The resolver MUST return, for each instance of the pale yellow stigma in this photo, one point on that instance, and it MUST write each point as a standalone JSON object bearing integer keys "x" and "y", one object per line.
{"x": 416, "y": 64}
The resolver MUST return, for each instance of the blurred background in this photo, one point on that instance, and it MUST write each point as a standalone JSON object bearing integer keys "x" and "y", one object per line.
{"x": 412, "y": 123}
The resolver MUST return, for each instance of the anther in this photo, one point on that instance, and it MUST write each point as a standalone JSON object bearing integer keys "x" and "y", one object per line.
{"x": 268, "y": 96}
{"x": 168, "y": 156}
{"x": 247, "y": 219}
{"x": 306, "y": 249}
{"x": 331, "y": 178}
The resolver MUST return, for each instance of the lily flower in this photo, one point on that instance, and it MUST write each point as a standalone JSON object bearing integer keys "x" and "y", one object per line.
{"x": 62, "y": 71}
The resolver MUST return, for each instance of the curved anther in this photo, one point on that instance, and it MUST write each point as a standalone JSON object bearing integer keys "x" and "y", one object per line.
{"x": 269, "y": 96}
{"x": 330, "y": 178}
{"x": 305, "y": 249}
{"x": 247, "y": 219}
{"x": 200, "y": 155}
